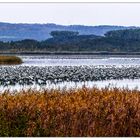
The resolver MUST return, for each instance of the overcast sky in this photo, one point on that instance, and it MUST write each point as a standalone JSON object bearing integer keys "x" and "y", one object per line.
{"x": 126, "y": 14}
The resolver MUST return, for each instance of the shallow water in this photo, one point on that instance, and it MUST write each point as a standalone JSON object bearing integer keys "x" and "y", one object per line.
{"x": 125, "y": 83}
{"x": 80, "y": 60}
{"x": 72, "y": 60}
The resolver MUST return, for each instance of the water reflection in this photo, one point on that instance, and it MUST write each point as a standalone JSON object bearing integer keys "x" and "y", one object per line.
{"x": 125, "y": 83}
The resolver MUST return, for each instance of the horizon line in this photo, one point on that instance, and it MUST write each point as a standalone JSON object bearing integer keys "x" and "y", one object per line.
{"x": 59, "y": 24}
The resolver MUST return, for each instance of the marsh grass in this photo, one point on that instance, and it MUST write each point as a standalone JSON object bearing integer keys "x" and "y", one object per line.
{"x": 73, "y": 113}
{"x": 10, "y": 60}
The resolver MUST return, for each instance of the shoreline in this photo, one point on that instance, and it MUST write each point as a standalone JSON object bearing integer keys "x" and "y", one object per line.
{"x": 71, "y": 53}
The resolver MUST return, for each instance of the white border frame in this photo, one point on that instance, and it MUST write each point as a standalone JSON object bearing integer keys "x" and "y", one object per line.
{"x": 69, "y": 1}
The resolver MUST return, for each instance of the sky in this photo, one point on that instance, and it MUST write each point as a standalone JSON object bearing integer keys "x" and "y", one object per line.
{"x": 126, "y": 14}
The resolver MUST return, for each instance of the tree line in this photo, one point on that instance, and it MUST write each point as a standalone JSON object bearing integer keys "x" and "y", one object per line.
{"x": 113, "y": 41}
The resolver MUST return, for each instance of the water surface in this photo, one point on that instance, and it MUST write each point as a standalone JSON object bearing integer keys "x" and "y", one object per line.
{"x": 72, "y": 60}
{"x": 125, "y": 83}
{"x": 80, "y": 60}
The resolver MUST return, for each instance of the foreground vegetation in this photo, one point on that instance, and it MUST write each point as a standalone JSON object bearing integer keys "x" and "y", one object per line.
{"x": 10, "y": 60}
{"x": 76, "y": 112}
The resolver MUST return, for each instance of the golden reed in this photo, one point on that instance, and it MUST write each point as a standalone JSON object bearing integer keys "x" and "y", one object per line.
{"x": 10, "y": 60}
{"x": 88, "y": 112}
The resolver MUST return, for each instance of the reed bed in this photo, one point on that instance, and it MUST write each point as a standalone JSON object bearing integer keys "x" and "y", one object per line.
{"x": 84, "y": 112}
{"x": 10, "y": 60}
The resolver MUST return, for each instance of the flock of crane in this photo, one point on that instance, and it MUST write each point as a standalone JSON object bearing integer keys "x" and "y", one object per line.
{"x": 29, "y": 75}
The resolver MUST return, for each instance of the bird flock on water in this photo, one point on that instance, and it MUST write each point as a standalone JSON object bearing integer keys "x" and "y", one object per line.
{"x": 29, "y": 75}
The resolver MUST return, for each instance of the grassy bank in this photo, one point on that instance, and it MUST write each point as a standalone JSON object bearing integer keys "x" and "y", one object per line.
{"x": 81, "y": 112}
{"x": 10, "y": 60}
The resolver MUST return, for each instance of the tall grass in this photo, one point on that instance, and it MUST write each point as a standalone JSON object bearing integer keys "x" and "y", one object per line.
{"x": 77, "y": 112}
{"x": 10, "y": 60}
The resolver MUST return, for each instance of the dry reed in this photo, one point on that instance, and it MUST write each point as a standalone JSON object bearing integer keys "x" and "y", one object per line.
{"x": 10, "y": 60}
{"x": 74, "y": 113}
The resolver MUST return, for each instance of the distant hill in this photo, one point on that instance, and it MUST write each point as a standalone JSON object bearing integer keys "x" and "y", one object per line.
{"x": 39, "y": 32}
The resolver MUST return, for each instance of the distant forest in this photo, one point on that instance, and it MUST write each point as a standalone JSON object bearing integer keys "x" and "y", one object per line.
{"x": 127, "y": 40}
